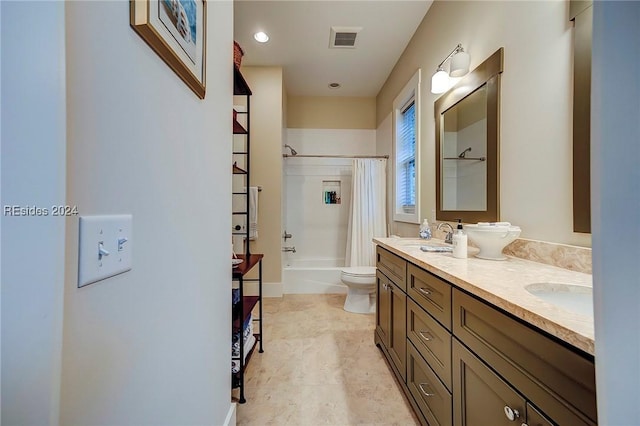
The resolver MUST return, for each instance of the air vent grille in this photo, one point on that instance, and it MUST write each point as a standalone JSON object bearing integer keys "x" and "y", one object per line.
{"x": 344, "y": 37}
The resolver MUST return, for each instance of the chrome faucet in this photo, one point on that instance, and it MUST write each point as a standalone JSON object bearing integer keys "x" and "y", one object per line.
{"x": 449, "y": 237}
{"x": 291, "y": 249}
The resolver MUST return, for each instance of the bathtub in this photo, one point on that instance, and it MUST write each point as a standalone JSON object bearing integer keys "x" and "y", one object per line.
{"x": 313, "y": 276}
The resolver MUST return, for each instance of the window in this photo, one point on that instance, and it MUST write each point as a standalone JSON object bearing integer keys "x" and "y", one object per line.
{"x": 407, "y": 140}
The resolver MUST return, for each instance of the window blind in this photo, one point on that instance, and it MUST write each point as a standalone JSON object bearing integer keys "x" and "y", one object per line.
{"x": 406, "y": 159}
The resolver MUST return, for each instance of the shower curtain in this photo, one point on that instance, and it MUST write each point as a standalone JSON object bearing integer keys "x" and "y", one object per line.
{"x": 367, "y": 215}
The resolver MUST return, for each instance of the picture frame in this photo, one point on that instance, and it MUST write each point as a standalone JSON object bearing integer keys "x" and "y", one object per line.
{"x": 176, "y": 31}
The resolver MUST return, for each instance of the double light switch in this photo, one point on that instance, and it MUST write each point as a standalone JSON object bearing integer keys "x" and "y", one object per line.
{"x": 105, "y": 247}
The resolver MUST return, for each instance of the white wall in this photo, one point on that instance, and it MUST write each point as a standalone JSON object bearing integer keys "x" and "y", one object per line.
{"x": 33, "y": 164}
{"x": 319, "y": 230}
{"x": 150, "y": 346}
{"x": 536, "y": 131}
{"x": 615, "y": 154}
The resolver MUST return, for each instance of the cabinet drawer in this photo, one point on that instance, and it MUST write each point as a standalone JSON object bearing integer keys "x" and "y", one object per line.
{"x": 556, "y": 379}
{"x": 431, "y": 340}
{"x": 433, "y": 294}
{"x": 430, "y": 394}
{"x": 394, "y": 267}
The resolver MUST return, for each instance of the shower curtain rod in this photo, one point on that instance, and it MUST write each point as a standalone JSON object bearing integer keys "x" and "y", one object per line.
{"x": 333, "y": 156}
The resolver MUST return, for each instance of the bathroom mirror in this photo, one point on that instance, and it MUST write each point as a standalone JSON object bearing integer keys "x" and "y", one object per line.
{"x": 467, "y": 141}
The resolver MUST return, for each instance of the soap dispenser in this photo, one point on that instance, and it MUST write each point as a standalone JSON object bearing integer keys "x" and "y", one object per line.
{"x": 460, "y": 242}
{"x": 425, "y": 230}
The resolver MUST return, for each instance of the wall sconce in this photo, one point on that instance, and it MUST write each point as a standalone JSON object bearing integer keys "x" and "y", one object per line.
{"x": 458, "y": 67}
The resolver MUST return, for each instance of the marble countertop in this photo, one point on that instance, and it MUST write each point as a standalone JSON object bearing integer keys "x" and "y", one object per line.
{"x": 502, "y": 284}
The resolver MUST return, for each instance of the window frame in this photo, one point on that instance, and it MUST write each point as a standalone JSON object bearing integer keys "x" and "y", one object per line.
{"x": 410, "y": 93}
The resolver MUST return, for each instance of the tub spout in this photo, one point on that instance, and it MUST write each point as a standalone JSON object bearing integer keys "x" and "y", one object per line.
{"x": 291, "y": 249}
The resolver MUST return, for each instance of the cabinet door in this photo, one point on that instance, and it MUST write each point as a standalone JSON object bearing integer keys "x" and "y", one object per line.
{"x": 383, "y": 308}
{"x": 398, "y": 339}
{"x": 480, "y": 397}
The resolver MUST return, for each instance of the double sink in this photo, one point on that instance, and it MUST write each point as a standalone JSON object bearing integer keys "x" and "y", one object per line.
{"x": 570, "y": 297}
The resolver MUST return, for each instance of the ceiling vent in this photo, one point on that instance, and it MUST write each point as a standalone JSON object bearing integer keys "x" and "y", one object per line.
{"x": 344, "y": 37}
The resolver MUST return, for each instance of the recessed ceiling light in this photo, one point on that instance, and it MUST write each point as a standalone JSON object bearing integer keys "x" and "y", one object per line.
{"x": 334, "y": 85}
{"x": 261, "y": 37}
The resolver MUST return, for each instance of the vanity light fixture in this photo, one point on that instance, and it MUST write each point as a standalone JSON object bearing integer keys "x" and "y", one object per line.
{"x": 458, "y": 67}
{"x": 261, "y": 37}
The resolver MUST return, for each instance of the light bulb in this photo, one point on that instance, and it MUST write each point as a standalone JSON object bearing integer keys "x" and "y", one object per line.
{"x": 261, "y": 37}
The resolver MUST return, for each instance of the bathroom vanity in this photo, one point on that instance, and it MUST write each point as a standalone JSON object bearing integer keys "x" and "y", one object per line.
{"x": 471, "y": 344}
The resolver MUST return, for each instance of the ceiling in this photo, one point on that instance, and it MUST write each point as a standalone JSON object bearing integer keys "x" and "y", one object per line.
{"x": 299, "y": 34}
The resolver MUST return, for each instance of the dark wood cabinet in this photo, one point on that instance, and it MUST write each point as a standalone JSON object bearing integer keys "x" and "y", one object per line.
{"x": 431, "y": 340}
{"x": 480, "y": 397}
{"x": 460, "y": 360}
{"x": 431, "y": 396}
{"x": 553, "y": 377}
{"x": 397, "y": 346}
{"x": 383, "y": 308}
{"x": 391, "y": 310}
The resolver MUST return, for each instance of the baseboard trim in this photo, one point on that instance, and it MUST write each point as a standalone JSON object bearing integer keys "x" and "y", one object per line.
{"x": 231, "y": 416}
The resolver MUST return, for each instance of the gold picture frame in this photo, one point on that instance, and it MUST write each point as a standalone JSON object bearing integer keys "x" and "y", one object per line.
{"x": 176, "y": 31}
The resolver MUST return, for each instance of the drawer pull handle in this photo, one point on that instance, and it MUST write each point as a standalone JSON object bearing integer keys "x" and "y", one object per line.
{"x": 424, "y": 392}
{"x": 426, "y": 335}
{"x": 511, "y": 413}
{"x": 424, "y": 290}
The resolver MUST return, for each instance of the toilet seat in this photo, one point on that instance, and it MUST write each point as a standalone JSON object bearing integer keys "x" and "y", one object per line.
{"x": 359, "y": 274}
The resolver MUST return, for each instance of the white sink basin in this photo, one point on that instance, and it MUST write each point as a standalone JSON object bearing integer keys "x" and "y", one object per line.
{"x": 572, "y": 297}
{"x": 415, "y": 243}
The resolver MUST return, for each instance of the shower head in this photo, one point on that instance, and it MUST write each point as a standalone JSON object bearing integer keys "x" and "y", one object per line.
{"x": 293, "y": 151}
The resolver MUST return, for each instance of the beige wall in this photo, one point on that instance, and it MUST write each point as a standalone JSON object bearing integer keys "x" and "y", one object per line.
{"x": 267, "y": 109}
{"x": 536, "y": 146}
{"x": 328, "y": 112}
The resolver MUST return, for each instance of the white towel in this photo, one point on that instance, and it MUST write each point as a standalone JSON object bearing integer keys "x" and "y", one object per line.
{"x": 253, "y": 212}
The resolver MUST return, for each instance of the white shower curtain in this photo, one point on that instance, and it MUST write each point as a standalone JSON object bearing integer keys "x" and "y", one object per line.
{"x": 367, "y": 216}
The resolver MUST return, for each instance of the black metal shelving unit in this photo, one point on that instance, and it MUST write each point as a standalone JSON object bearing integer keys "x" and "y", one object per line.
{"x": 241, "y": 168}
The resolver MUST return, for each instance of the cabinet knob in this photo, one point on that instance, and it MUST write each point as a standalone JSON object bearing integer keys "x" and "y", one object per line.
{"x": 511, "y": 413}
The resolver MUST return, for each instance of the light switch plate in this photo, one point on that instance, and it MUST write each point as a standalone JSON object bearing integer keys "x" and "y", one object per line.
{"x": 105, "y": 247}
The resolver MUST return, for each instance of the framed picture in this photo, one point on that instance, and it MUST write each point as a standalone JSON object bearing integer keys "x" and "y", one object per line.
{"x": 176, "y": 31}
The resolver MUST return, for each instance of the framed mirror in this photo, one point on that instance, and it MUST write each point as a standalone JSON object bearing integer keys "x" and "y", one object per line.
{"x": 467, "y": 146}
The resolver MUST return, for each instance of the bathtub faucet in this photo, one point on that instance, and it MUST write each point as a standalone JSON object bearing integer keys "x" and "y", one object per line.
{"x": 291, "y": 249}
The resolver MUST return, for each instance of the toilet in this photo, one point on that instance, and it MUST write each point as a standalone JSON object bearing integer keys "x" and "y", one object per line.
{"x": 361, "y": 289}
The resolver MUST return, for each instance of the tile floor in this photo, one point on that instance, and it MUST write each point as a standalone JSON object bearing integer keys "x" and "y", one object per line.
{"x": 320, "y": 367}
